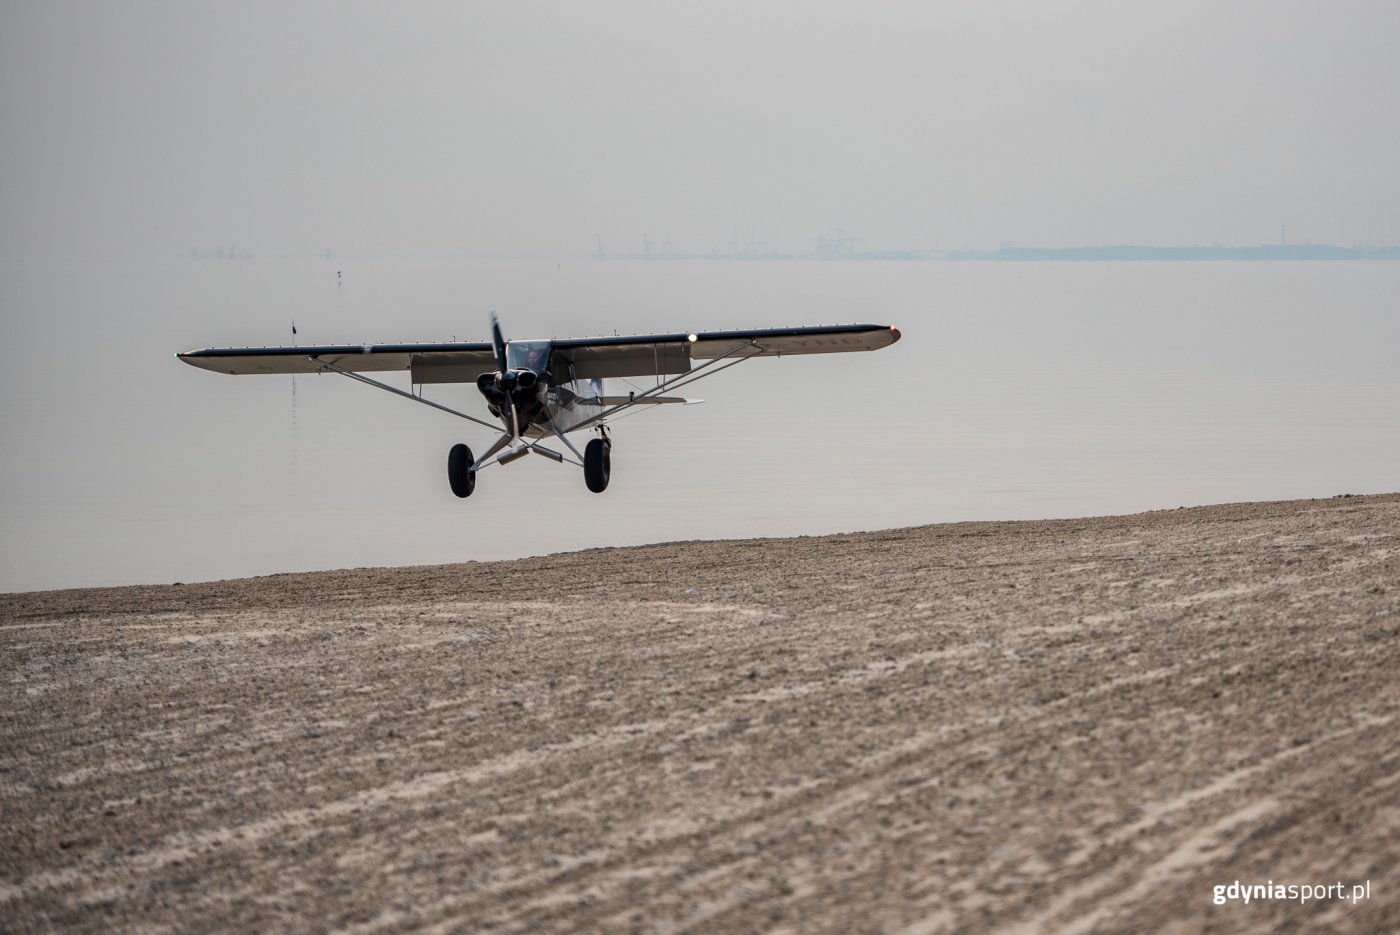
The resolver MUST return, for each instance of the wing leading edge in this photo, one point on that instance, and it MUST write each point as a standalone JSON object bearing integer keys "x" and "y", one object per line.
{"x": 620, "y": 356}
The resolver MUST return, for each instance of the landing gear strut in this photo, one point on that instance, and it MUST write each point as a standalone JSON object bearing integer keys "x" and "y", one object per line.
{"x": 597, "y": 464}
{"x": 459, "y": 471}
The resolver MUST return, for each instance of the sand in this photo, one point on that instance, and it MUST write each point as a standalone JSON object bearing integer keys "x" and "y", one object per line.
{"x": 1079, "y": 725}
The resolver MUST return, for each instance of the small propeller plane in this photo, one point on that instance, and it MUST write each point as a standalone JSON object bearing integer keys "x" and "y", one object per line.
{"x": 543, "y": 389}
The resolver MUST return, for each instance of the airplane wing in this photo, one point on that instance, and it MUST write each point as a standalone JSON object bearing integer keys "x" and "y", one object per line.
{"x": 624, "y": 356}
{"x": 430, "y": 363}
{"x": 642, "y": 355}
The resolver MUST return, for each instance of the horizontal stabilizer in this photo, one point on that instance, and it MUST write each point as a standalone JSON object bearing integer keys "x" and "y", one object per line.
{"x": 645, "y": 400}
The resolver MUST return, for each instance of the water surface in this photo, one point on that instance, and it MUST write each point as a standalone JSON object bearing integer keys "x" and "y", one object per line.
{"x": 1019, "y": 391}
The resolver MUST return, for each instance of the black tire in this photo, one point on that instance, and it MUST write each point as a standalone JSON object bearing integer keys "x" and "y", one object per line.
{"x": 597, "y": 464}
{"x": 459, "y": 470}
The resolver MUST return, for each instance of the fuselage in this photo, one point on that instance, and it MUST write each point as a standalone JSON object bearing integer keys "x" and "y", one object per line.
{"x": 540, "y": 386}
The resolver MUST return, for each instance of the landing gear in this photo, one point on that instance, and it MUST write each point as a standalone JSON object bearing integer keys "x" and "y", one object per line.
{"x": 459, "y": 471}
{"x": 597, "y": 464}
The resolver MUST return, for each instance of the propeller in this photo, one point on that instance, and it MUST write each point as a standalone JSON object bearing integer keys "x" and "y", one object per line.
{"x": 498, "y": 343}
{"x": 506, "y": 379}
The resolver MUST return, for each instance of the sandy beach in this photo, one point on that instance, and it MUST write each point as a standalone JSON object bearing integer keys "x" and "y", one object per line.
{"x": 1075, "y": 726}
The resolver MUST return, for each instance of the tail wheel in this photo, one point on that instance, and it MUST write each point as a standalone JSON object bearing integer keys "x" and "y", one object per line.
{"x": 597, "y": 464}
{"x": 459, "y": 470}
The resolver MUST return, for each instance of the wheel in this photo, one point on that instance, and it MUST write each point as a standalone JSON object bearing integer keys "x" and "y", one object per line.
{"x": 597, "y": 464}
{"x": 459, "y": 470}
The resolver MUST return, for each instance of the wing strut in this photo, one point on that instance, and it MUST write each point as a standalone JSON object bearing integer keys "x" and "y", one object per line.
{"x": 706, "y": 369}
{"x": 560, "y": 435}
{"x": 398, "y": 392}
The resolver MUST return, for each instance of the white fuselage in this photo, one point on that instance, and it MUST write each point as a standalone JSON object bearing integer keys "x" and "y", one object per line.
{"x": 565, "y": 406}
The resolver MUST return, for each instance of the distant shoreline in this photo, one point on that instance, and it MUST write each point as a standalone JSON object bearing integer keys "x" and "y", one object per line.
{"x": 1129, "y": 252}
{"x": 15, "y": 605}
{"x": 1132, "y": 253}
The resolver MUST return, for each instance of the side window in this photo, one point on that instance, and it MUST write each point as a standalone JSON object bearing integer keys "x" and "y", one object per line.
{"x": 561, "y": 368}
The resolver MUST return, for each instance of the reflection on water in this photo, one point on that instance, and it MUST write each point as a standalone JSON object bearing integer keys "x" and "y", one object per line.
{"x": 1019, "y": 391}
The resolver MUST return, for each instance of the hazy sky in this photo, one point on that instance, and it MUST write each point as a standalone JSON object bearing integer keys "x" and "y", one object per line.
{"x": 133, "y": 128}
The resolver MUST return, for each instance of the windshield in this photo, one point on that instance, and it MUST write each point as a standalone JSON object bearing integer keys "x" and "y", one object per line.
{"x": 528, "y": 355}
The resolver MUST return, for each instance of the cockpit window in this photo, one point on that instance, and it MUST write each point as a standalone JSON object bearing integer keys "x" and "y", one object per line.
{"x": 528, "y": 355}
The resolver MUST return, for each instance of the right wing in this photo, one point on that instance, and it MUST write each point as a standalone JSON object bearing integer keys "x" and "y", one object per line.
{"x": 429, "y": 363}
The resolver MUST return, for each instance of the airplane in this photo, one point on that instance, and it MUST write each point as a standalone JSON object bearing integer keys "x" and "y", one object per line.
{"x": 549, "y": 388}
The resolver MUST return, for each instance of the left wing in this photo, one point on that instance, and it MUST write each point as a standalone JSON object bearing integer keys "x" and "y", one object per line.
{"x": 641, "y": 355}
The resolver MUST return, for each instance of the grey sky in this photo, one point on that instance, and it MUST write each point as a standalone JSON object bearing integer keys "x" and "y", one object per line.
{"x": 530, "y": 128}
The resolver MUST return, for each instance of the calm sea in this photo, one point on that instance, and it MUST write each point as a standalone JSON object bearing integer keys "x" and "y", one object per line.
{"x": 1020, "y": 390}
